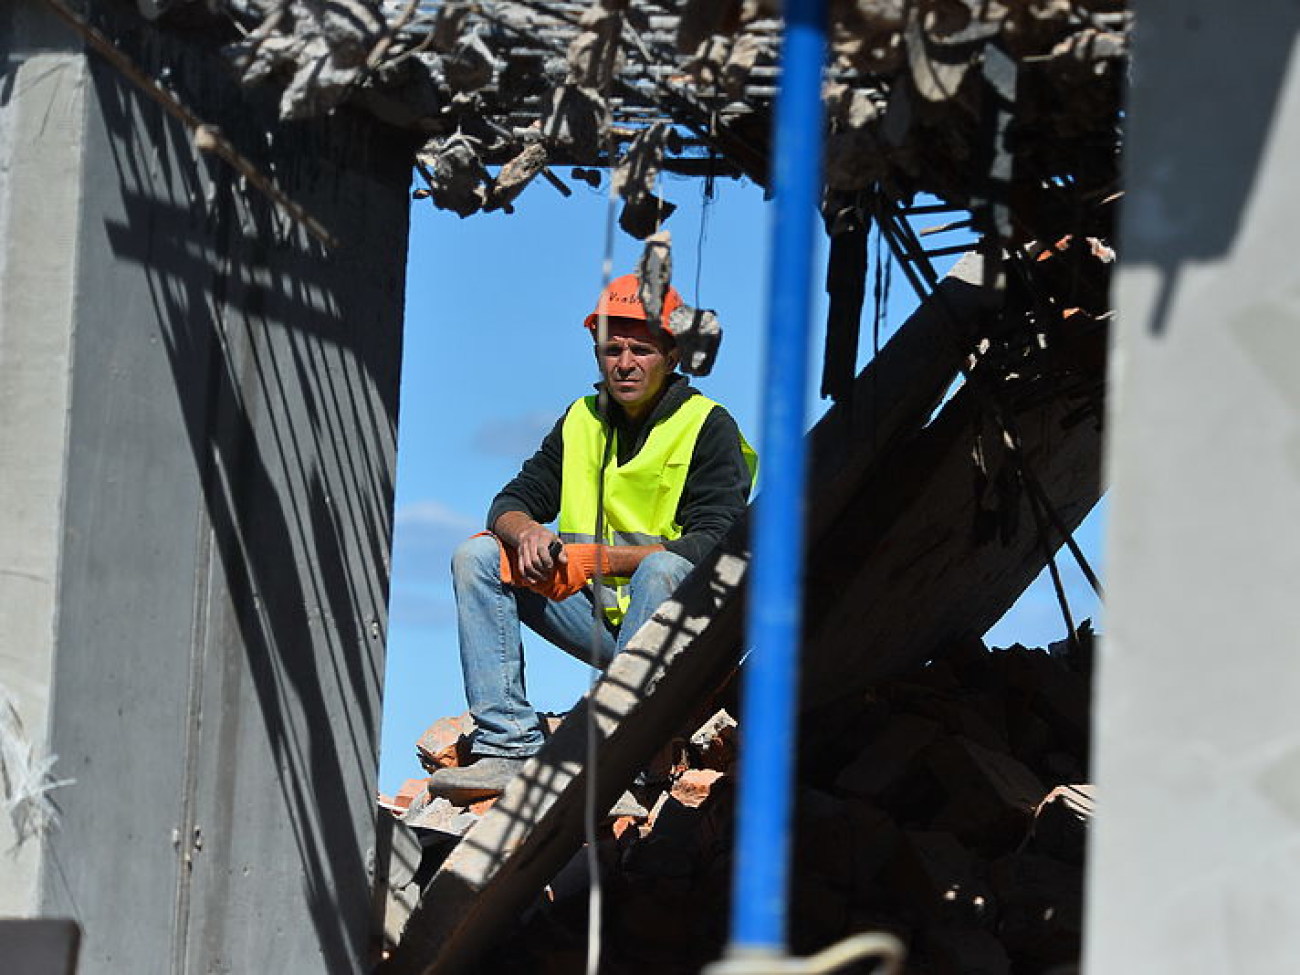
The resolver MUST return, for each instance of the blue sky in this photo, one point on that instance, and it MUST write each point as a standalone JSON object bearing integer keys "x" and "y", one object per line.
{"x": 495, "y": 350}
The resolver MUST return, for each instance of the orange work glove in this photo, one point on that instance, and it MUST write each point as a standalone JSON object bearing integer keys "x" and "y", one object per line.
{"x": 568, "y": 578}
{"x": 583, "y": 555}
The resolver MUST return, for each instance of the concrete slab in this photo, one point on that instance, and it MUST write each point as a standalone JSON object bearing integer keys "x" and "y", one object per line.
{"x": 1196, "y": 844}
{"x": 198, "y": 409}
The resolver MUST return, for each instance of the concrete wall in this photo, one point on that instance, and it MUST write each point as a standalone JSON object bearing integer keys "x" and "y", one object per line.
{"x": 1197, "y": 741}
{"x": 198, "y": 448}
{"x": 40, "y": 147}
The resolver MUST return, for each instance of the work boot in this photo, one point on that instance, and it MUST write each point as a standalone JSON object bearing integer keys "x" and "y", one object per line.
{"x": 485, "y": 778}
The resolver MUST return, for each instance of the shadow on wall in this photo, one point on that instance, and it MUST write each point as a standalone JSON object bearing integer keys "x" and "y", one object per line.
{"x": 1227, "y": 77}
{"x": 285, "y": 361}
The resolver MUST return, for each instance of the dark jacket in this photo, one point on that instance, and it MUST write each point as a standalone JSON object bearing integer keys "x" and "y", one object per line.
{"x": 717, "y": 482}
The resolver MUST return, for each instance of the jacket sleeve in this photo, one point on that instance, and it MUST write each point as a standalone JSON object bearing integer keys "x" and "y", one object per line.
{"x": 535, "y": 490}
{"x": 717, "y": 488}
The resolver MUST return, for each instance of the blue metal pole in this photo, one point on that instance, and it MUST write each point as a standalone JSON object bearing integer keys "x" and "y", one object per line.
{"x": 774, "y": 613}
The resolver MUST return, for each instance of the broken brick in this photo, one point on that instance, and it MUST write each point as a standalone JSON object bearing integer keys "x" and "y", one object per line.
{"x": 930, "y": 750}
{"x": 694, "y": 786}
{"x": 672, "y": 848}
{"x": 446, "y": 743}
{"x": 482, "y": 805}
{"x": 409, "y": 791}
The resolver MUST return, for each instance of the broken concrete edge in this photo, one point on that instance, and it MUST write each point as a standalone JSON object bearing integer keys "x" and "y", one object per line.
{"x": 897, "y": 391}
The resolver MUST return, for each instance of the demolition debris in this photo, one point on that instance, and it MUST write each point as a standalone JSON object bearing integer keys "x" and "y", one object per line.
{"x": 948, "y": 806}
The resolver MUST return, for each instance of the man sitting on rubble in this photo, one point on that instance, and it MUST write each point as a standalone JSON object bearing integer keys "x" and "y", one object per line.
{"x": 661, "y": 492}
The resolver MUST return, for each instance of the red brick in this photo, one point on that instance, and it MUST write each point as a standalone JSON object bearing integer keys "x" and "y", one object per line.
{"x": 675, "y": 845}
{"x": 482, "y": 806}
{"x": 694, "y": 786}
{"x": 410, "y": 789}
{"x": 446, "y": 743}
{"x": 622, "y": 824}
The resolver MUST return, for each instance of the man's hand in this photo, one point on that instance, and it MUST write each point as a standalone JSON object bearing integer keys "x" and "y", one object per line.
{"x": 528, "y": 559}
{"x": 574, "y": 567}
{"x": 531, "y": 543}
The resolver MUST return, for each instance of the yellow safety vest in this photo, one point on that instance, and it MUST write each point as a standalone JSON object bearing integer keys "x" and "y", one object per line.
{"x": 641, "y": 496}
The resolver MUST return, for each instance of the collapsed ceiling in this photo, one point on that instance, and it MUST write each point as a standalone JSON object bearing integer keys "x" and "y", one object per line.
{"x": 1007, "y": 108}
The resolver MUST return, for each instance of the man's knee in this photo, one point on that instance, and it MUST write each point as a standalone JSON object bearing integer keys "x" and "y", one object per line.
{"x": 475, "y": 556}
{"x": 662, "y": 570}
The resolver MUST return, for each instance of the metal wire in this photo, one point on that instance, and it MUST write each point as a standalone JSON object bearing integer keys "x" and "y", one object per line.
{"x": 912, "y": 258}
{"x": 706, "y": 203}
{"x": 1061, "y": 599}
{"x": 595, "y": 892}
{"x": 1055, "y": 518}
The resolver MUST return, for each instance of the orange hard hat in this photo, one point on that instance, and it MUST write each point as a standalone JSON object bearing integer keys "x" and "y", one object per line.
{"x": 620, "y": 300}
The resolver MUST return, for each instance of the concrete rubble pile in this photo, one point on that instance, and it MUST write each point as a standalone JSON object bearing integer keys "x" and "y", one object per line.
{"x": 949, "y": 805}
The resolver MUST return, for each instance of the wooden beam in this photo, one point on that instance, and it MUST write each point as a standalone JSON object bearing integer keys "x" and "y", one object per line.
{"x": 905, "y": 570}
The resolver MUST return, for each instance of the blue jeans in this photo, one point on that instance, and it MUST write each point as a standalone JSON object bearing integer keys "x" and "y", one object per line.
{"x": 492, "y": 655}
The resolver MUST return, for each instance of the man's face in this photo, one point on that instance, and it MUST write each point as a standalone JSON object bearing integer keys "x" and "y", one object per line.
{"x": 635, "y": 365}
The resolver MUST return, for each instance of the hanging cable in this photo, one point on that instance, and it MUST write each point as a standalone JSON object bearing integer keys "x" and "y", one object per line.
{"x": 706, "y": 203}
{"x": 879, "y": 291}
{"x": 1036, "y": 490}
{"x": 880, "y": 298}
{"x": 595, "y": 898}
